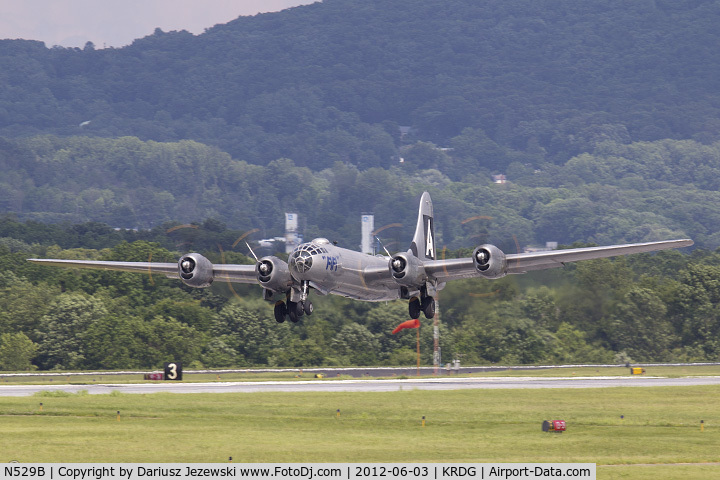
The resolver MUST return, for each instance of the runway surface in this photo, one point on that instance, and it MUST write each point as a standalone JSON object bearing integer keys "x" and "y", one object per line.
{"x": 444, "y": 383}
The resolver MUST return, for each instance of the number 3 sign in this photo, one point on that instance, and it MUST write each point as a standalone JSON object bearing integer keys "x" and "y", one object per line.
{"x": 173, "y": 371}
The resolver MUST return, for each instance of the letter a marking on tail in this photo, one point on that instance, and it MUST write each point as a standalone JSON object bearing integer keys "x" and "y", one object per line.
{"x": 429, "y": 238}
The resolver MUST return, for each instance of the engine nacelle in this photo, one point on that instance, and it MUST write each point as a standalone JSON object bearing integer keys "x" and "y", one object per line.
{"x": 273, "y": 274}
{"x": 407, "y": 270}
{"x": 490, "y": 261}
{"x": 195, "y": 270}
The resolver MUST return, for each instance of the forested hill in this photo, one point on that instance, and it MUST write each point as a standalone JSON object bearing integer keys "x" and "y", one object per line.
{"x": 543, "y": 80}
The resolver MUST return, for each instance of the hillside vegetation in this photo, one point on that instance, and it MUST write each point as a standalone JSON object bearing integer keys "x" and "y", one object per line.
{"x": 543, "y": 80}
{"x": 641, "y": 191}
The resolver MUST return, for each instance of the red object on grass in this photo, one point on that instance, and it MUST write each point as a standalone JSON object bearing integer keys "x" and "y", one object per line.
{"x": 408, "y": 324}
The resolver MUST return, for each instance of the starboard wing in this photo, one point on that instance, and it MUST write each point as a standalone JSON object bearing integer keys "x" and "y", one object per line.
{"x": 459, "y": 268}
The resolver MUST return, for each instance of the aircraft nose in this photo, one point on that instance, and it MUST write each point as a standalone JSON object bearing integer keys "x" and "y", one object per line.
{"x": 302, "y": 262}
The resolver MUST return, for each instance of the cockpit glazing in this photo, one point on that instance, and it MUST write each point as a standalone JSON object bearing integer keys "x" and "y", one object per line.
{"x": 301, "y": 259}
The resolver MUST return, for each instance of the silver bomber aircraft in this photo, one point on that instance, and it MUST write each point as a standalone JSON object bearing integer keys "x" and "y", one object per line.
{"x": 415, "y": 275}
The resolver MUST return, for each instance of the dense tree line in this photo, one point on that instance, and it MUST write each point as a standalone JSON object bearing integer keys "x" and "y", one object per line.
{"x": 640, "y": 308}
{"x": 332, "y": 81}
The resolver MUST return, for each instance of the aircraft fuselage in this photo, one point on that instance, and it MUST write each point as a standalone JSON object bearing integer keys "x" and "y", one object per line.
{"x": 339, "y": 271}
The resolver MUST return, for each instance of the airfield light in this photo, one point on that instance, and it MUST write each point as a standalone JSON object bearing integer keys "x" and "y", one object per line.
{"x": 337, "y": 414}
{"x": 41, "y": 408}
{"x": 118, "y": 415}
{"x": 423, "y": 421}
{"x": 702, "y": 424}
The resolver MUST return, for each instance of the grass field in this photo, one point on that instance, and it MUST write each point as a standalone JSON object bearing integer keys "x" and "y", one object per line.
{"x": 661, "y": 425}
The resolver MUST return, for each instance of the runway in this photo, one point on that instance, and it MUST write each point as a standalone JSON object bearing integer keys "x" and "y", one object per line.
{"x": 359, "y": 385}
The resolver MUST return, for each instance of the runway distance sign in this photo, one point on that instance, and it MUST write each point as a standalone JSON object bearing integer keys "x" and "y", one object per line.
{"x": 173, "y": 371}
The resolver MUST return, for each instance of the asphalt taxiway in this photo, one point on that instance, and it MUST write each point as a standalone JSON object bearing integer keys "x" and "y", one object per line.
{"x": 366, "y": 385}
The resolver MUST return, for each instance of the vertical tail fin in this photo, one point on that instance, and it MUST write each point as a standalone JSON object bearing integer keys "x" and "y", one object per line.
{"x": 423, "y": 244}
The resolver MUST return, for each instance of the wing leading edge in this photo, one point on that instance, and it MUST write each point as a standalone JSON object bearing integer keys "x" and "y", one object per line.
{"x": 525, "y": 262}
{"x": 458, "y": 268}
{"x": 224, "y": 272}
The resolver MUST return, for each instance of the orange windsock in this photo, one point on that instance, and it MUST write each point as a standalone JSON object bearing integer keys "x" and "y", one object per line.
{"x": 407, "y": 324}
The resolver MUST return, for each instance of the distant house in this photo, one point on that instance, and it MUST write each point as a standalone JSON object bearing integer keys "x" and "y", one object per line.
{"x": 499, "y": 178}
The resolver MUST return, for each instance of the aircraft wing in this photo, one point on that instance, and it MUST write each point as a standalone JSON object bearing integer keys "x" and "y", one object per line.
{"x": 224, "y": 272}
{"x": 457, "y": 268}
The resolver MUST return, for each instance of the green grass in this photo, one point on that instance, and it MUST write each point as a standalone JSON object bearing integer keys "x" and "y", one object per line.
{"x": 661, "y": 426}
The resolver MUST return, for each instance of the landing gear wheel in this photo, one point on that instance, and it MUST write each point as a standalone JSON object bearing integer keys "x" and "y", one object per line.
{"x": 428, "y": 307}
{"x": 280, "y": 312}
{"x": 292, "y": 308}
{"x": 414, "y": 308}
{"x": 308, "y": 307}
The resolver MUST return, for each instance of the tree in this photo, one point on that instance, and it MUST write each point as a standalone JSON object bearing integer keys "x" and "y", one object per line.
{"x": 253, "y": 337}
{"x": 23, "y": 304}
{"x": 425, "y": 155}
{"x": 219, "y": 353}
{"x": 116, "y": 342}
{"x": 299, "y": 353}
{"x": 166, "y": 339}
{"x": 17, "y": 352}
{"x": 357, "y": 344}
{"x": 693, "y": 308}
{"x": 62, "y": 331}
{"x": 571, "y": 347}
{"x": 639, "y": 326}
{"x": 597, "y": 286}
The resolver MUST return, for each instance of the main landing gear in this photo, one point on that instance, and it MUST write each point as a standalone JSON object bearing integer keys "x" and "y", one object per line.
{"x": 424, "y": 304}
{"x": 294, "y": 310}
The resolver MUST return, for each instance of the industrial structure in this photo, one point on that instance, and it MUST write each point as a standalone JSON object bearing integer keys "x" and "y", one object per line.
{"x": 292, "y": 238}
{"x": 367, "y": 240}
